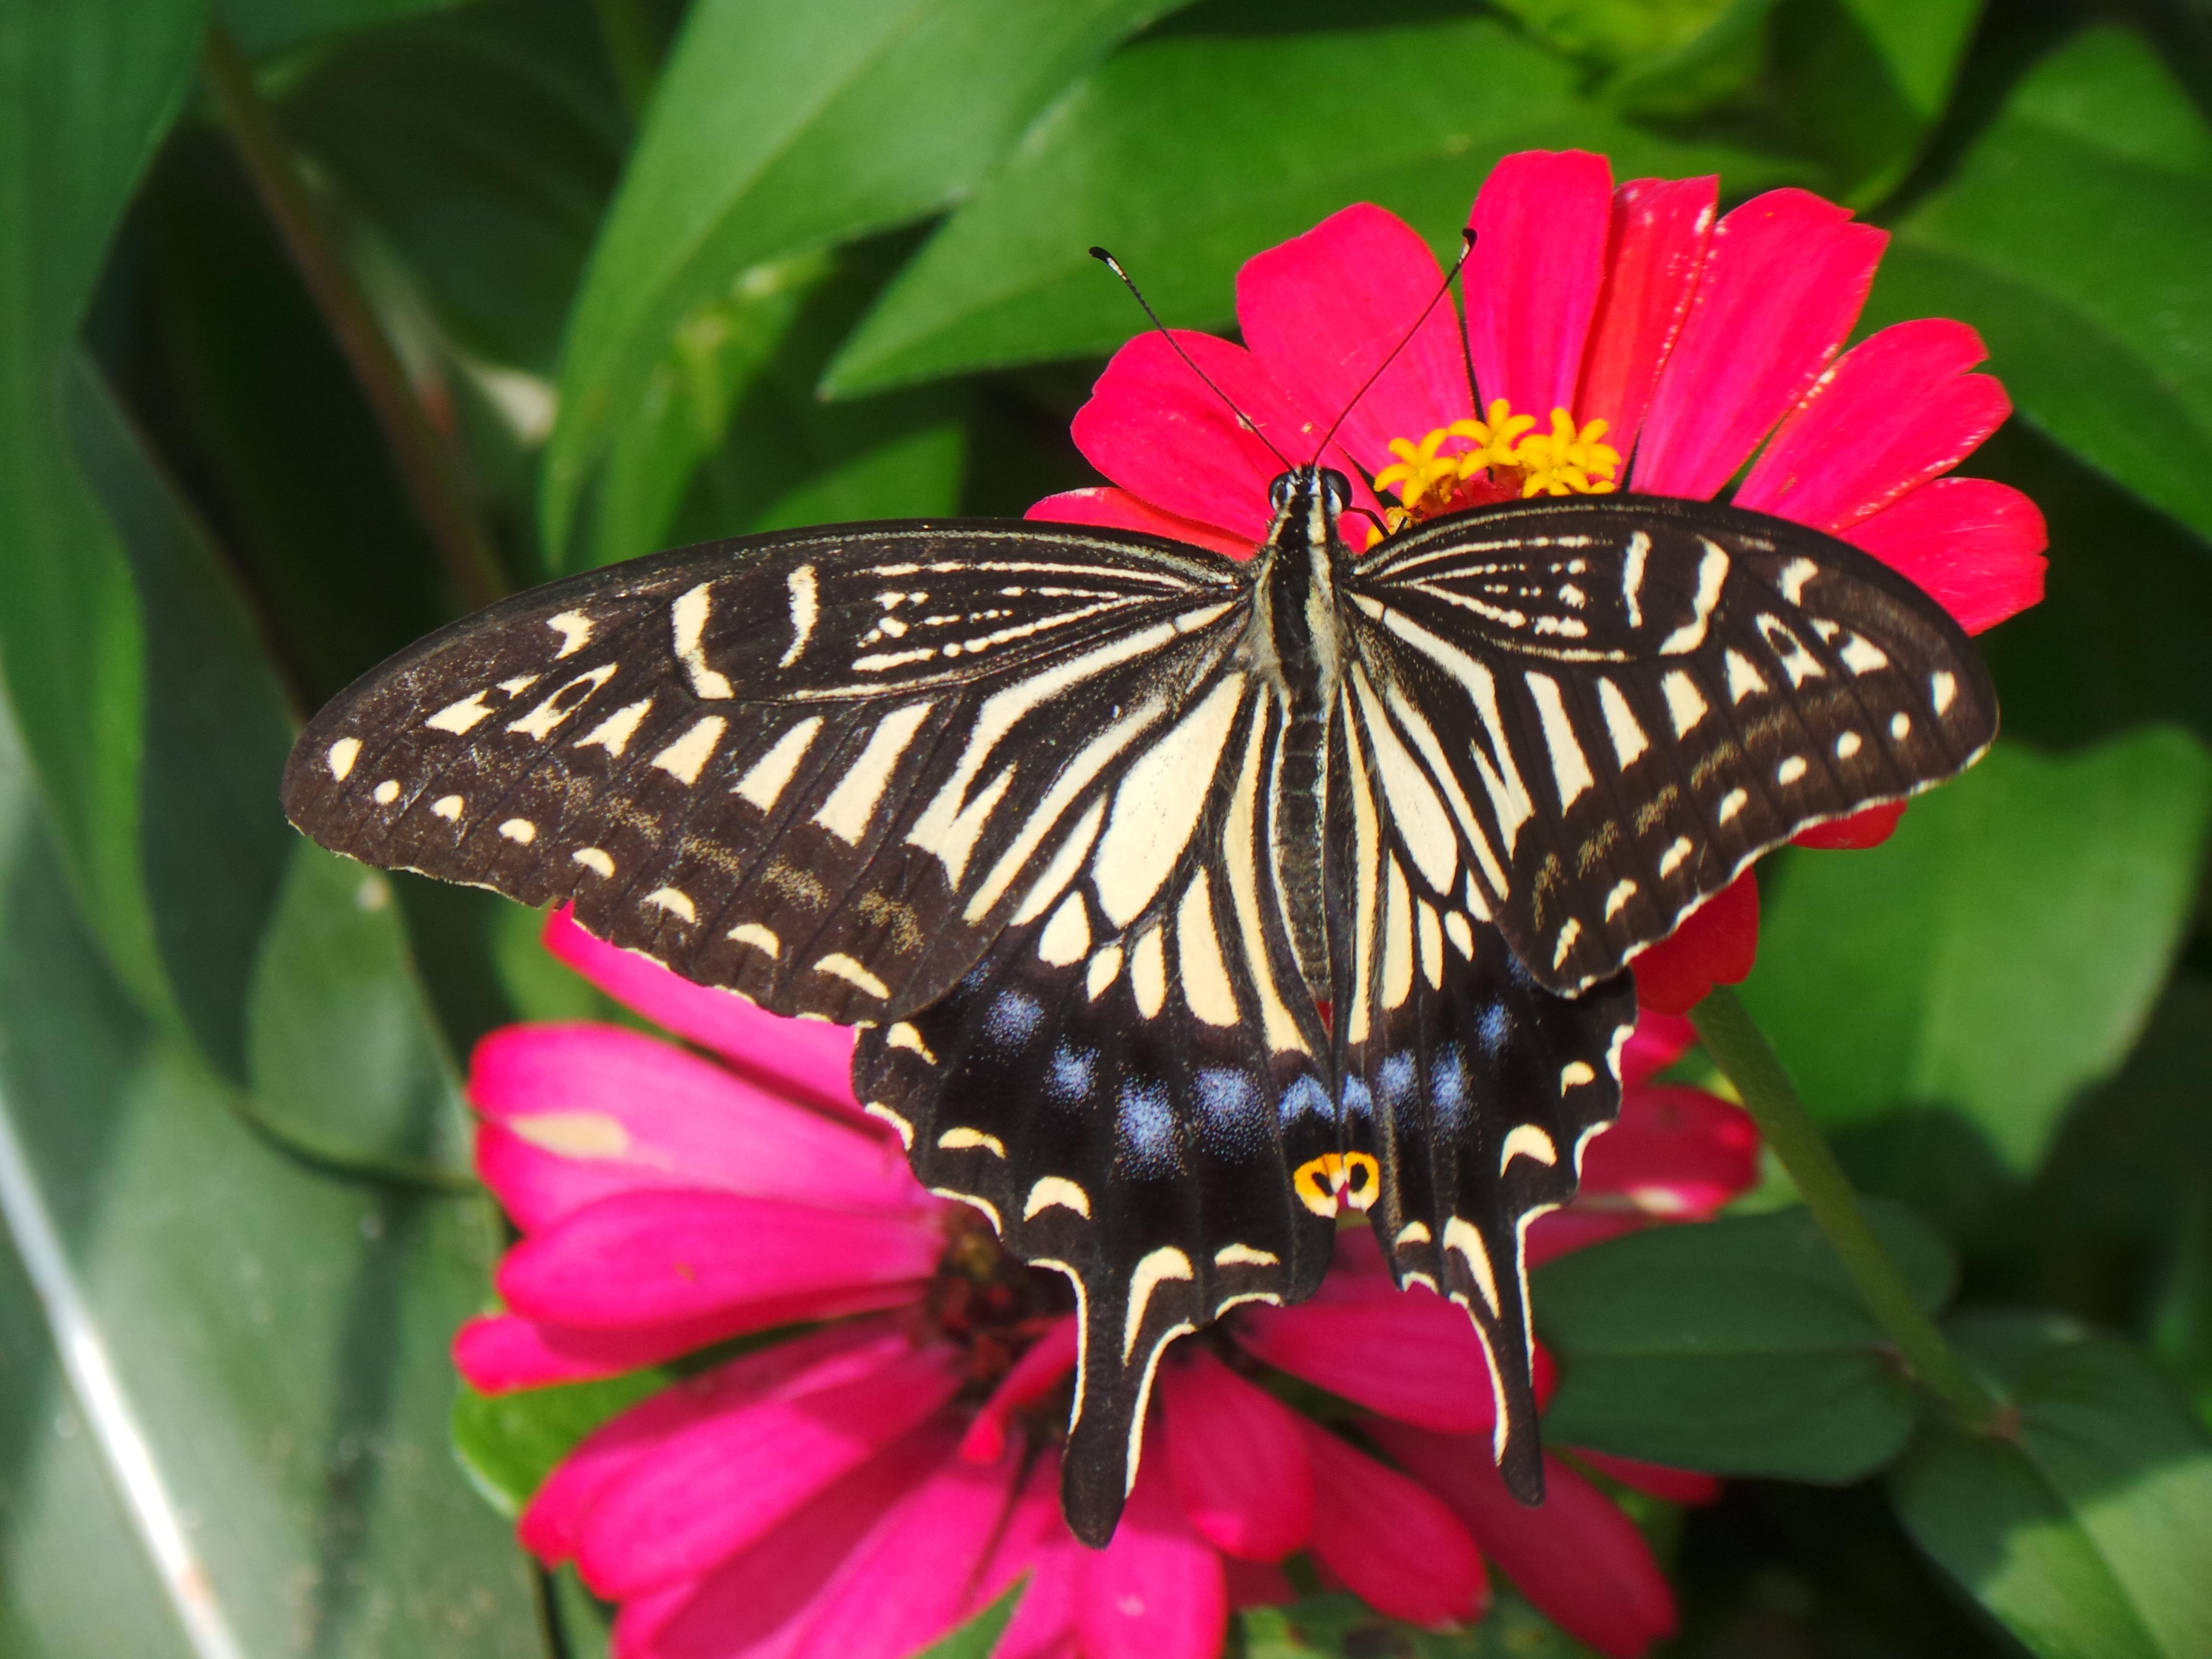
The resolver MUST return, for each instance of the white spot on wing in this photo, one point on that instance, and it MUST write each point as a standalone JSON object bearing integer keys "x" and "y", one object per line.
{"x": 1528, "y": 1140}
{"x": 595, "y": 859}
{"x": 1570, "y": 768}
{"x": 1460, "y": 934}
{"x": 343, "y": 753}
{"x": 684, "y": 759}
{"x": 852, "y": 804}
{"x": 876, "y": 1109}
{"x": 803, "y": 613}
{"x": 1157, "y": 808}
{"x": 1162, "y": 1266}
{"x": 764, "y": 785}
{"x": 1617, "y": 900}
{"x": 575, "y": 629}
{"x": 460, "y": 717}
{"x": 1206, "y": 985}
{"x": 1056, "y": 1191}
{"x": 387, "y": 792}
{"x": 448, "y": 806}
{"x": 1795, "y": 575}
{"x": 1943, "y": 689}
{"x": 841, "y": 966}
{"x": 540, "y": 721}
{"x": 1244, "y": 1255}
{"x": 1791, "y": 769}
{"x": 519, "y": 831}
{"x": 1684, "y": 704}
{"x": 764, "y": 941}
{"x": 1568, "y": 934}
{"x": 673, "y": 900}
{"x": 1712, "y": 572}
{"x": 1847, "y": 745}
{"x": 1862, "y": 656}
{"x": 1460, "y": 1235}
{"x": 1628, "y": 738}
{"x": 964, "y": 1139}
{"x": 1631, "y": 577}
{"x": 903, "y": 1036}
{"x": 1731, "y": 804}
{"x": 1743, "y": 680}
{"x": 1574, "y": 1074}
{"x": 1671, "y": 859}
{"x": 1067, "y": 936}
{"x": 1148, "y": 973}
{"x": 613, "y": 733}
{"x": 1105, "y": 968}
{"x": 688, "y": 616}
{"x": 1900, "y": 725}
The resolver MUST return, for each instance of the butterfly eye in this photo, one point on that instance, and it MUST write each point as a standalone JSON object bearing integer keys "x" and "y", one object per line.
{"x": 1337, "y": 488}
{"x": 1280, "y": 492}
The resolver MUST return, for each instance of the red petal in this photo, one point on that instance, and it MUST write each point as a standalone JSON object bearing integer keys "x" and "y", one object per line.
{"x": 1035, "y": 1541}
{"x": 1676, "y": 1153}
{"x": 1783, "y": 284}
{"x": 902, "y": 1587}
{"x": 719, "y": 1486}
{"x": 1577, "y": 1558}
{"x": 501, "y": 1353}
{"x": 1894, "y": 410}
{"x": 553, "y": 1523}
{"x": 1715, "y": 944}
{"x": 1565, "y": 1231}
{"x": 1390, "y": 1541}
{"x": 580, "y": 1112}
{"x": 1660, "y": 229}
{"x": 1236, "y": 1457}
{"x": 749, "y": 1606}
{"x": 1540, "y": 221}
{"x": 804, "y": 1058}
{"x": 1675, "y": 1486}
{"x": 1973, "y": 546}
{"x": 1117, "y": 510}
{"x": 1157, "y": 1590}
{"x": 1154, "y": 428}
{"x": 1854, "y": 834}
{"x": 1660, "y": 1041}
{"x": 1034, "y": 1375}
{"x": 654, "y": 1257}
{"x": 1323, "y": 310}
{"x": 1257, "y": 1584}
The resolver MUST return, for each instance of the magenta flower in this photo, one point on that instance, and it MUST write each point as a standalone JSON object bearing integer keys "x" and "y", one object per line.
{"x": 1621, "y": 338}
{"x": 860, "y": 1486}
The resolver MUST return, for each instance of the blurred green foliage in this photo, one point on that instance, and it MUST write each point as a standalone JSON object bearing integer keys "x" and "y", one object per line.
{"x": 658, "y": 271}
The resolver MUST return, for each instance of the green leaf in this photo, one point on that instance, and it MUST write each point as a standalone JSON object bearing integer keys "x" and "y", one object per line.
{"x": 271, "y": 25}
{"x": 2076, "y": 235}
{"x": 1342, "y": 1626}
{"x": 509, "y": 1442}
{"x": 776, "y": 131}
{"x": 70, "y": 633}
{"x": 2084, "y": 1529}
{"x": 258, "y": 1347}
{"x": 484, "y": 146}
{"x": 1187, "y": 155}
{"x": 1738, "y": 1347}
{"x": 1861, "y": 82}
{"x": 2001, "y": 951}
{"x": 344, "y": 1059}
{"x": 976, "y": 1639}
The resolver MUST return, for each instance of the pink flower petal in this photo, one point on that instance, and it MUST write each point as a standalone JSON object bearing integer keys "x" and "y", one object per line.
{"x": 1032, "y": 1376}
{"x": 650, "y": 1257}
{"x": 579, "y": 1112}
{"x": 755, "y": 1604}
{"x": 1715, "y": 944}
{"x": 1035, "y": 1542}
{"x": 1235, "y": 1458}
{"x": 1409, "y": 1354}
{"x": 1577, "y": 1558}
{"x": 804, "y": 1058}
{"x": 552, "y": 1522}
{"x": 1393, "y": 1544}
{"x": 1322, "y": 311}
{"x": 1157, "y": 1590}
{"x": 500, "y": 1352}
{"x": 1117, "y": 510}
{"x": 1674, "y": 1151}
{"x": 1675, "y": 1486}
{"x": 1659, "y": 1042}
{"x": 717, "y": 1486}
{"x": 1155, "y": 429}
{"x": 1854, "y": 834}
{"x": 1540, "y": 221}
{"x": 1893, "y": 412}
{"x": 903, "y": 1585}
{"x": 1783, "y": 284}
{"x": 1973, "y": 546}
{"x": 1660, "y": 229}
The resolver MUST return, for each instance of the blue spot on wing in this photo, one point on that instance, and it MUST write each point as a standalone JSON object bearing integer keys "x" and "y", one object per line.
{"x": 1396, "y": 1077}
{"x": 1144, "y": 1127}
{"x": 1070, "y": 1075}
{"x": 1304, "y": 1095}
{"x": 1013, "y": 1019}
{"x": 1447, "y": 1087}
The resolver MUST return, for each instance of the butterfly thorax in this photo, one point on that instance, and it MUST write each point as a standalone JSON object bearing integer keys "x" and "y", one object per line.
{"x": 1295, "y": 644}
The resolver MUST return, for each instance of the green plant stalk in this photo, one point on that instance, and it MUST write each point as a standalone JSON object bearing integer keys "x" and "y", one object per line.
{"x": 1741, "y": 1050}
{"x": 631, "y": 51}
{"x": 425, "y": 465}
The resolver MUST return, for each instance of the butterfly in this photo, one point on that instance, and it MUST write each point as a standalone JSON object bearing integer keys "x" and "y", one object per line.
{"x": 1183, "y": 902}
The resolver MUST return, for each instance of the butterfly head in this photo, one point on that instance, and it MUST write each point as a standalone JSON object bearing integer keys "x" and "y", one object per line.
{"x": 1303, "y": 484}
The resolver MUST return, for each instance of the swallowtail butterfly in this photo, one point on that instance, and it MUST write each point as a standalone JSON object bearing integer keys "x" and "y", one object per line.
{"x": 1180, "y": 899}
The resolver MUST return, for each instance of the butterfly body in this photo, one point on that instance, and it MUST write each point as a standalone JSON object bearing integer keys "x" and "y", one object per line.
{"x": 1086, "y": 828}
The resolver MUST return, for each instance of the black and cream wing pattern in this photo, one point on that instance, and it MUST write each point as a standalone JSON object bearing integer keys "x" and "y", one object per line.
{"x": 1176, "y": 927}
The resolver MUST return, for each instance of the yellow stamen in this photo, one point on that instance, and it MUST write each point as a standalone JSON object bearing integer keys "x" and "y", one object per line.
{"x": 1495, "y": 458}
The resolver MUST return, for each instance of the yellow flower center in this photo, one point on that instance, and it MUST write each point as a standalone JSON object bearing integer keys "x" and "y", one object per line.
{"x": 1500, "y": 457}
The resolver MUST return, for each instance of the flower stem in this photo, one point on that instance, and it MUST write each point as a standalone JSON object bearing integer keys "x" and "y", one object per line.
{"x": 1741, "y": 1050}
{"x": 426, "y": 466}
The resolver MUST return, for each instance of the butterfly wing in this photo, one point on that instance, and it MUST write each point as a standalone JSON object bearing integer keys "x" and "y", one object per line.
{"x": 1636, "y": 696}
{"x": 819, "y": 769}
{"x": 1473, "y": 1088}
{"x": 1133, "y": 1079}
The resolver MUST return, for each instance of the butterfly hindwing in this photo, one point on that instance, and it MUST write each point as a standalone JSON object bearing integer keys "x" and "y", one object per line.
{"x": 815, "y": 768}
{"x": 1128, "y": 1085}
{"x": 1633, "y": 698}
{"x": 1472, "y": 1088}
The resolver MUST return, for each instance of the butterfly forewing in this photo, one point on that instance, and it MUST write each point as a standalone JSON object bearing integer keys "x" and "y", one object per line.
{"x": 1627, "y": 700}
{"x": 815, "y": 768}
{"x": 1132, "y": 1080}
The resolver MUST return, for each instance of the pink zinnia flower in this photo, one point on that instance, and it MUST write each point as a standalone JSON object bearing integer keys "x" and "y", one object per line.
{"x": 860, "y": 1486}
{"x": 1621, "y": 338}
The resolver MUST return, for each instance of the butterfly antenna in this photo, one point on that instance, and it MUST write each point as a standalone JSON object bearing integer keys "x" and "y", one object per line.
{"x": 1368, "y": 385}
{"x": 1242, "y": 419}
